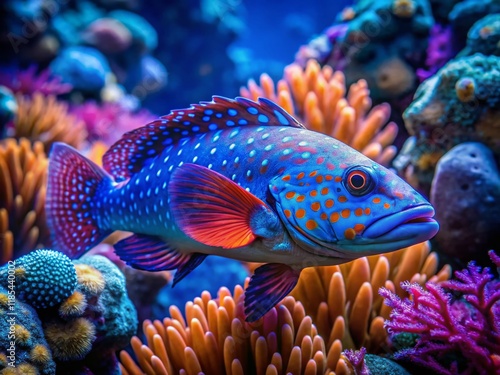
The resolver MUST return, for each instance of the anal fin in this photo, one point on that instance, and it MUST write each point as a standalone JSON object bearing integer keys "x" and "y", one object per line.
{"x": 194, "y": 261}
{"x": 269, "y": 285}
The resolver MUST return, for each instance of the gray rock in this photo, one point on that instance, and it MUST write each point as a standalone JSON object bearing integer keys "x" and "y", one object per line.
{"x": 466, "y": 195}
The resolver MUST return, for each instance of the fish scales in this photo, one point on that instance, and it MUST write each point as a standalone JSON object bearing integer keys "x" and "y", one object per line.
{"x": 239, "y": 179}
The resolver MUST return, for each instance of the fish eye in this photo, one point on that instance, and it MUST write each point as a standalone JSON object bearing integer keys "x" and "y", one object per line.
{"x": 358, "y": 181}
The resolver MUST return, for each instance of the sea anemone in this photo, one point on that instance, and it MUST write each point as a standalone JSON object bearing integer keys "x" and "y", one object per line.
{"x": 23, "y": 171}
{"x": 45, "y": 119}
{"x": 318, "y": 97}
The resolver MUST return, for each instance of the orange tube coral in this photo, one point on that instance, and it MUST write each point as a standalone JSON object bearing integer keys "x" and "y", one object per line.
{"x": 43, "y": 118}
{"x": 343, "y": 300}
{"x": 23, "y": 171}
{"x": 215, "y": 339}
{"x": 318, "y": 97}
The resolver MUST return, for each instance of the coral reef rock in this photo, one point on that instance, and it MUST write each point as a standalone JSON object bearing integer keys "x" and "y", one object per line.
{"x": 466, "y": 195}
{"x": 23, "y": 349}
{"x": 459, "y": 104}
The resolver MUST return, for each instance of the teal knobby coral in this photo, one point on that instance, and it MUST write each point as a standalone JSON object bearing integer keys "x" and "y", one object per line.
{"x": 484, "y": 37}
{"x": 44, "y": 278}
{"x": 94, "y": 322}
{"x": 459, "y": 104}
{"x": 31, "y": 354}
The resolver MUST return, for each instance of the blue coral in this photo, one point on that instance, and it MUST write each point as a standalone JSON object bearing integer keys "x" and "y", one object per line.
{"x": 84, "y": 68}
{"x": 44, "y": 278}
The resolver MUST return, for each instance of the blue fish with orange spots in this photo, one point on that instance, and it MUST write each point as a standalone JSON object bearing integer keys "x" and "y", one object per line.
{"x": 239, "y": 179}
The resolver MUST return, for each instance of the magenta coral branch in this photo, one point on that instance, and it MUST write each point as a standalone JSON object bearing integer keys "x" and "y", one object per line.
{"x": 457, "y": 335}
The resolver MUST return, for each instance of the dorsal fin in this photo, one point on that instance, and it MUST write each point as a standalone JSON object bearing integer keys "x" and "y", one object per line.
{"x": 135, "y": 148}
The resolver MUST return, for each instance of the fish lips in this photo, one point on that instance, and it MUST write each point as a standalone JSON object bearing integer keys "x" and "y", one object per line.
{"x": 414, "y": 223}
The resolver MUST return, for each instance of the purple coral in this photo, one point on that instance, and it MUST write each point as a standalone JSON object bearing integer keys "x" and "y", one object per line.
{"x": 107, "y": 122}
{"x": 30, "y": 81}
{"x": 458, "y": 322}
{"x": 439, "y": 51}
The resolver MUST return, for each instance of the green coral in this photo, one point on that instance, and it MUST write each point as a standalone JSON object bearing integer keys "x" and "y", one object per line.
{"x": 484, "y": 37}
{"x": 461, "y": 103}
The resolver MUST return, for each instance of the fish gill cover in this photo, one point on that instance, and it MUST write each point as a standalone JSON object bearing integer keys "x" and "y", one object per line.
{"x": 415, "y": 76}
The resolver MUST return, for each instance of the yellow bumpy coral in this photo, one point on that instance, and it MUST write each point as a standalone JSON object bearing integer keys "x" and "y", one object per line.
{"x": 318, "y": 97}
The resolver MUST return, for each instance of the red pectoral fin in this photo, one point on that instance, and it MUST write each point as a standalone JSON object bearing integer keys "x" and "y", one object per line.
{"x": 269, "y": 285}
{"x": 212, "y": 209}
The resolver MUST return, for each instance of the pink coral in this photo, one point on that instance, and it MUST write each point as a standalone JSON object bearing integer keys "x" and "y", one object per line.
{"x": 29, "y": 81}
{"x": 459, "y": 331}
{"x": 107, "y": 122}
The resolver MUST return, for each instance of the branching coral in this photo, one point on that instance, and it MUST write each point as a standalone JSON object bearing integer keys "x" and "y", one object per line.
{"x": 323, "y": 313}
{"x": 23, "y": 169}
{"x": 318, "y": 97}
{"x": 456, "y": 320}
{"x": 43, "y": 118}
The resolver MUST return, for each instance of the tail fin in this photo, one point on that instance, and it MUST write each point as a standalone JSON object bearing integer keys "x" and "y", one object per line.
{"x": 71, "y": 202}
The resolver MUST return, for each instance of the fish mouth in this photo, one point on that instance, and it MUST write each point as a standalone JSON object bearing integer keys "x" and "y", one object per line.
{"x": 417, "y": 220}
{"x": 393, "y": 232}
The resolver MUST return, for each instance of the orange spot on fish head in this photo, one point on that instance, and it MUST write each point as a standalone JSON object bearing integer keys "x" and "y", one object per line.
{"x": 287, "y": 213}
{"x": 329, "y": 177}
{"x": 349, "y": 234}
{"x": 313, "y": 173}
{"x": 346, "y": 213}
{"x": 324, "y": 191}
{"x": 301, "y": 198}
{"x": 334, "y": 217}
{"x": 387, "y": 206}
{"x": 399, "y": 195}
{"x": 323, "y": 216}
{"x": 290, "y": 195}
{"x": 376, "y": 200}
{"x": 300, "y": 175}
{"x": 342, "y": 199}
{"x": 300, "y": 213}
{"x": 358, "y": 211}
{"x": 338, "y": 179}
{"x": 315, "y": 206}
{"x": 368, "y": 211}
{"x": 319, "y": 179}
{"x": 329, "y": 203}
{"x": 286, "y": 178}
{"x": 330, "y": 166}
{"x": 311, "y": 224}
{"x": 313, "y": 193}
{"x": 359, "y": 228}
